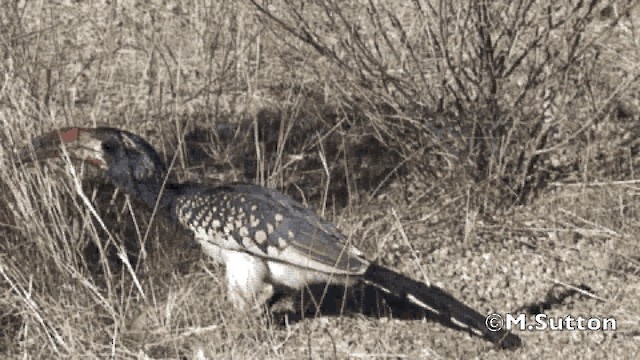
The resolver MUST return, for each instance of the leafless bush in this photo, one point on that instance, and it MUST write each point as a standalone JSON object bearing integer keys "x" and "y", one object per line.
{"x": 496, "y": 86}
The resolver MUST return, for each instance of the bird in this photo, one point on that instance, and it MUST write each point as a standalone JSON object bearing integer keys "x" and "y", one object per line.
{"x": 268, "y": 242}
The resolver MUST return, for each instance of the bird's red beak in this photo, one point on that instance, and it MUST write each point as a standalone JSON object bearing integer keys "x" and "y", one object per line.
{"x": 80, "y": 143}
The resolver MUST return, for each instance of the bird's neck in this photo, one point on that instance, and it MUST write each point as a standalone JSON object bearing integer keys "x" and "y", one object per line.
{"x": 154, "y": 193}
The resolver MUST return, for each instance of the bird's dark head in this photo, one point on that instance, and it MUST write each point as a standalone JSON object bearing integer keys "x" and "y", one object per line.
{"x": 127, "y": 159}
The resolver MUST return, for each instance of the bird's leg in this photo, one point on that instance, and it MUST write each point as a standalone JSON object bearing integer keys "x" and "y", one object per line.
{"x": 246, "y": 281}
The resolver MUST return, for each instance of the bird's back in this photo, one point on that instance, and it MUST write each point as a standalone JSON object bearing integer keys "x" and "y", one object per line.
{"x": 266, "y": 223}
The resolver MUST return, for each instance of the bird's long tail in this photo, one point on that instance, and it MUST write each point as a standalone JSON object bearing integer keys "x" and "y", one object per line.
{"x": 436, "y": 301}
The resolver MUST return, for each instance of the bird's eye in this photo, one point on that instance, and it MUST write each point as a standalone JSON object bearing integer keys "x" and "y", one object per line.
{"x": 109, "y": 146}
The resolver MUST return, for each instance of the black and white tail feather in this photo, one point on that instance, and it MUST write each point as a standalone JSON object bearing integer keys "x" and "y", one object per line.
{"x": 437, "y": 302}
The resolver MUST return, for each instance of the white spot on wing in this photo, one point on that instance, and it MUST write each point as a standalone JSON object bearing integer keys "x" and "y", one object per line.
{"x": 260, "y": 236}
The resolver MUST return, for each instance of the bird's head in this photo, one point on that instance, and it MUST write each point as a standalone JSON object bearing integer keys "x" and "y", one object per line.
{"x": 127, "y": 159}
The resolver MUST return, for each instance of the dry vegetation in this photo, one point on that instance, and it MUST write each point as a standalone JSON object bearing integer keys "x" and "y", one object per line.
{"x": 501, "y": 137}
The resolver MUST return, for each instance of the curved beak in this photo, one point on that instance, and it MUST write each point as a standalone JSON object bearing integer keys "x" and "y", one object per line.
{"x": 80, "y": 143}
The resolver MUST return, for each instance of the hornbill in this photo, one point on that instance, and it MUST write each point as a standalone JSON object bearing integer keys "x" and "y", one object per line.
{"x": 268, "y": 242}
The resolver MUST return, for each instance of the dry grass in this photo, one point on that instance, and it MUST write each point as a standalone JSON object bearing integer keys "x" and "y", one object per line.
{"x": 440, "y": 136}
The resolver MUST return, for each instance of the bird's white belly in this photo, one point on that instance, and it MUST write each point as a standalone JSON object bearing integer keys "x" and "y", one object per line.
{"x": 296, "y": 277}
{"x": 279, "y": 272}
{"x": 213, "y": 251}
{"x": 216, "y": 247}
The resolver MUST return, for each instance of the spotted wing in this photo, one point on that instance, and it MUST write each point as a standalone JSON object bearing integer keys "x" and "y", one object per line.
{"x": 269, "y": 224}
